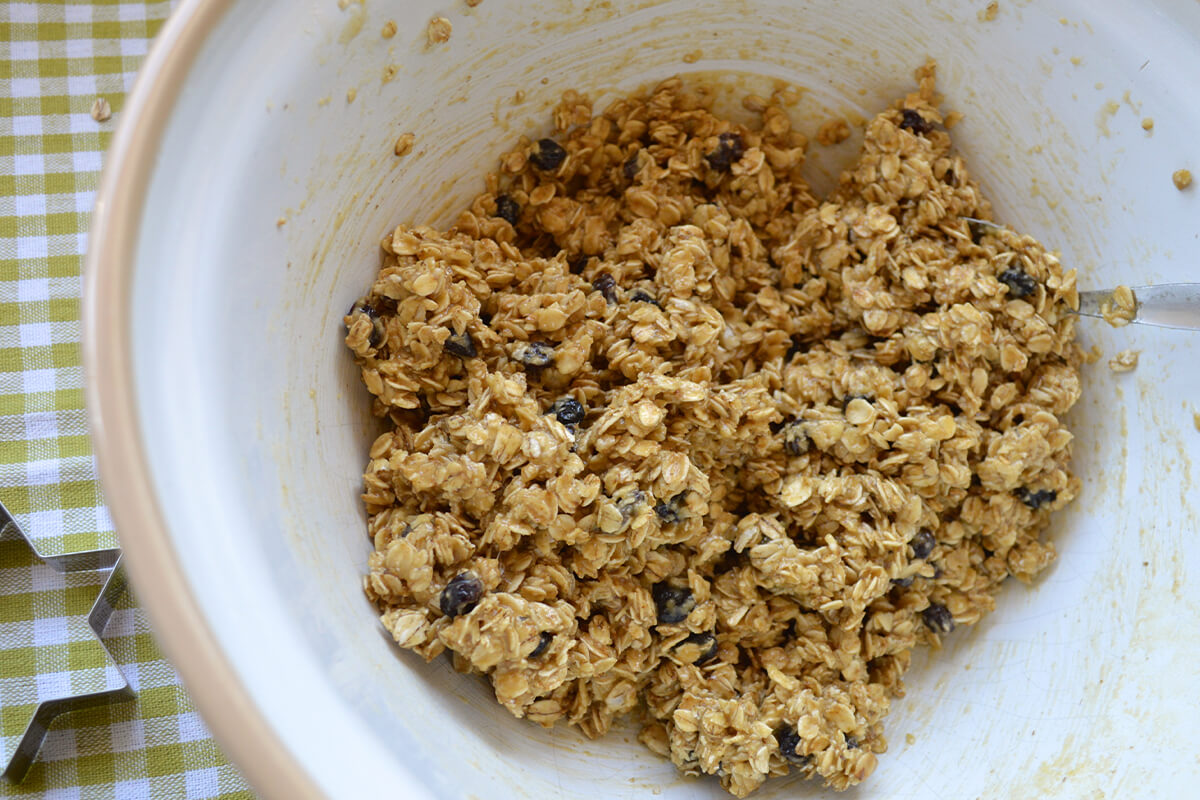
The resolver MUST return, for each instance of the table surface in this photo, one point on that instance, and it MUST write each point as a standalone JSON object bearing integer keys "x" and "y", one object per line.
{"x": 56, "y": 60}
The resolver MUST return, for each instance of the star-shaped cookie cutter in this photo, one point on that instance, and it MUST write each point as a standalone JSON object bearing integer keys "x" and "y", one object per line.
{"x": 50, "y": 707}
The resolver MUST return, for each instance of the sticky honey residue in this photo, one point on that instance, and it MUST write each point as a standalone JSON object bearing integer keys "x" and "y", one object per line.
{"x": 1196, "y": 420}
{"x": 355, "y": 19}
{"x": 1070, "y": 762}
{"x": 1035, "y": 190}
{"x": 989, "y": 12}
{"x": 1106, "y": 112}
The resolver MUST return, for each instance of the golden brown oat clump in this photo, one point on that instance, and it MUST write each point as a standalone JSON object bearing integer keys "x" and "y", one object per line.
{"x": 668, "y": 434}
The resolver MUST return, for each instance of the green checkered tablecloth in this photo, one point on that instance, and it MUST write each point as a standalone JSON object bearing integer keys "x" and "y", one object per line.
{"x": 56, "y": 60}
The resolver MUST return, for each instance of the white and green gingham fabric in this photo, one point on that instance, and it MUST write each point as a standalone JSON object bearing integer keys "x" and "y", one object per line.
{"x": 56, "y": 59}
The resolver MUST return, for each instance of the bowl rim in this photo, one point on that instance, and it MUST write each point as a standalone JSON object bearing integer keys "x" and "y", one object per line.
{"x": 235, "y": 720}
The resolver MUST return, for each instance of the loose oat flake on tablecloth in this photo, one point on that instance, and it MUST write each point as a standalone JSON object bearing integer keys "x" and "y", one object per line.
{"x": 670, "y": 436}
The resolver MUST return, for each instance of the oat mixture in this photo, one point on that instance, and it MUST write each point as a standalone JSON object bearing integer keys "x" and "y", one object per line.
{"x": 438, "y": 31}
{"x": 1124, "y": 361}
{"x": 1119, "y": 308}
{"x": 670, "y": 436}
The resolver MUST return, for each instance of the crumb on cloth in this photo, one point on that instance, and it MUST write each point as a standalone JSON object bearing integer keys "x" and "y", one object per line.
{"x": 101, "y": 110}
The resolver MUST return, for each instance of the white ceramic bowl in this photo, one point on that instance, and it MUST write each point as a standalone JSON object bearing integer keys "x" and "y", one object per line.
{"x": 231, "y": 427}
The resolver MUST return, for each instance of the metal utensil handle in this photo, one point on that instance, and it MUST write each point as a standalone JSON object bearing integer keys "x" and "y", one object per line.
{"x": 1167, "y": 305}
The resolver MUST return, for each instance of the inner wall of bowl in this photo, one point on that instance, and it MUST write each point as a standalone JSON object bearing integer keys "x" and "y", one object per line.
{"x": 262, "y": 226}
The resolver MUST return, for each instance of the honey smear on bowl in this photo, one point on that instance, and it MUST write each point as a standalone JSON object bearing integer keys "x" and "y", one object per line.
{"x": 670, "y": 436}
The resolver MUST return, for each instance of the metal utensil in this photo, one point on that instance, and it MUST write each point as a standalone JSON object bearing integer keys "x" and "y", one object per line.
{"x": 1167, "y": 305}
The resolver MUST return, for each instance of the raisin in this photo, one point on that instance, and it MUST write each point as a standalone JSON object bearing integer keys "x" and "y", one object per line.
{"x": 460, "y": 595}
{"x": 568, "y": 410}
{"x": 1037, "y": 498}
{"x": 795, "y": 440}
{"x": 642, "y": 296}
{"x": 460, "y": 344}
{"x": 938, "y": 618}
{"x": 535, "y": 354}
{"x": 507, "y": 209}
{"x": 913, "y": 121}
{"x": 378, "y": 329}
{"x": 706, "y": 643}
{"x": 1019, "y": 282}
{"x": 630, "y": 506}
{"x": 577, "y": 265}
{"x": 606, "y": 286}
{"x": 789, "y": 742}
{"x": 543, "y": 642}
{"x": 794, "y": 349}
{"x": 547, "y": 154}
{"x": 671, "y": 511}
{"x": 903, "y": 582}
{"x": 922, "y": 544}
{"x": 630, "y": 168}
{"x": 673, "y": 604}
{"x": 730, "y": 150}
{"x": 667, "y": 515}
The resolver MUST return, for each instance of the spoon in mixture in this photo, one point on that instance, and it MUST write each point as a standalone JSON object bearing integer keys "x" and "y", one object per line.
{"x": 1167, "y": 305}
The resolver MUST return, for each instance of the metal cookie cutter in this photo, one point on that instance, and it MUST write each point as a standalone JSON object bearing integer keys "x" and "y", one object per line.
{"x": 50, "y": 707}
